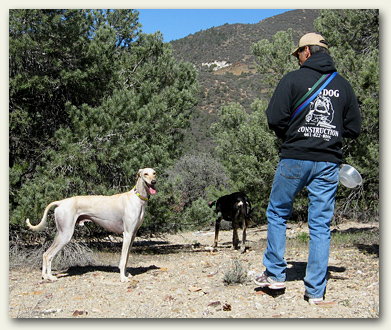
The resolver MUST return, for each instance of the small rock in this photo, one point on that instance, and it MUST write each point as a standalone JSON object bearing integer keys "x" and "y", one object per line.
{"x": 78, "y": 313}
{"x": 168, "y": 298}
{"x": 194, "y": 289}
{"x": 51, "y": 311}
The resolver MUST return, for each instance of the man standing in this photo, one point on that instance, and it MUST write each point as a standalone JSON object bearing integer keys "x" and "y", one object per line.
{"x": 310, "y": 155}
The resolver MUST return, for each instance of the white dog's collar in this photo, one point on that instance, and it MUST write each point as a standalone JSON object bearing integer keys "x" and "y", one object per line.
{"x": 140, "y": 196}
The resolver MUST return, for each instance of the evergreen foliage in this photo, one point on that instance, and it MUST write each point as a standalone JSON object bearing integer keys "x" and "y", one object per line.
{"x": 246, "y": 145}
{"x": 274, "y": 59}
{"x": 354, "y": 39}
{"x": 92, "y": 100}
{"x": 121, "y": 104}
{"x": 247, "y": 150}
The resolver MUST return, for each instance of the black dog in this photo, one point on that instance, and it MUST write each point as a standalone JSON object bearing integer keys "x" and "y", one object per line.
{"x": 232, "y": 208}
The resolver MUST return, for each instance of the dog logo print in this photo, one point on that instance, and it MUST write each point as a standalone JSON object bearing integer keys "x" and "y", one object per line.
{"x": 321, "y": 112}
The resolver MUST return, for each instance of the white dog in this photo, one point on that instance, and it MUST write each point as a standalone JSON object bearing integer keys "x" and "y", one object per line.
{"x": 121, "y": 213}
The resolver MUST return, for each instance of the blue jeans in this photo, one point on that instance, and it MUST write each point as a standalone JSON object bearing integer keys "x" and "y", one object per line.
{"x": 321, "y": 180}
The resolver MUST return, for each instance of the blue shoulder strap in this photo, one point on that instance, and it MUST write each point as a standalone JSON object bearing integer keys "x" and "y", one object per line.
{"x": 329, "y": 77}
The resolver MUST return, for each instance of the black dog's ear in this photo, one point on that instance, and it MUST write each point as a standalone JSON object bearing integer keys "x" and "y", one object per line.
{"x": 212, "y": 203}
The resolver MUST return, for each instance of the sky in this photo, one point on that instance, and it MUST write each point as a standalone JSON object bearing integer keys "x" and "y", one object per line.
{"x": 179, "y": 23}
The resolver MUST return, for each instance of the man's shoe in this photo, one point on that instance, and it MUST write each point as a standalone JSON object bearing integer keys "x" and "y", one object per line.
{"x": 314, "y": 301}
{"x": 265, "y": 281}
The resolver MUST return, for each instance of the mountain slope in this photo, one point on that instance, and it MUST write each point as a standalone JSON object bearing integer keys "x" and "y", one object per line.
{"x": 226, "y": 67}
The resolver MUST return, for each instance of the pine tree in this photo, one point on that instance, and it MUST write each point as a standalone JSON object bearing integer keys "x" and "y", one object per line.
{"x": 87, "y": 112}
{"x": 354, "y": 39}
{"x": 248, "y": 148}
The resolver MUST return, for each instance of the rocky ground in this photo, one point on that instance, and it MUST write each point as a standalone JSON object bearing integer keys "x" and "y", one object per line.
{"x": 179, "y": 276}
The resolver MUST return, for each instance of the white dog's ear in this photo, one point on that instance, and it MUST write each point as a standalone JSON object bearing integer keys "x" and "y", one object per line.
{"x": 138, "y": 174}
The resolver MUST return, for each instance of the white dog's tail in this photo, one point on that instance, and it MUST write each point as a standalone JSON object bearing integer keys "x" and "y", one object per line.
{"x": 42, "y": 224}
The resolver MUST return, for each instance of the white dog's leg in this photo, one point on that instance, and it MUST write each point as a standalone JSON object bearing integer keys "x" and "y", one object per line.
{"x": 65, "y": 229}
{"x": 126, "y": 245}
{"x": 47, "y": 261}
{"x": 46, "y": 270}
{"x": 59, "y": 242}
{"x": 124, "y": 256}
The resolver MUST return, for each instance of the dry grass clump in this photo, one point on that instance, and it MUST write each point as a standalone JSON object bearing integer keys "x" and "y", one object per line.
{"x": 73, "y": 254}
{"x": 235, "y": 273}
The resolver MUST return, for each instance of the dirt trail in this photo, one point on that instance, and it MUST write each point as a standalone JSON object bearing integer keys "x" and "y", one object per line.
{"x": 177, "y": 276}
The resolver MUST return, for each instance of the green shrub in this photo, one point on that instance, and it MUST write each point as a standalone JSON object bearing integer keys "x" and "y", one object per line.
{"x": 198, "y": 215}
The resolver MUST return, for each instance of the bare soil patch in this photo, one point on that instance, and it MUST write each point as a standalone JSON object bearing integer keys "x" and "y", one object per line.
{"x": 178, "y": 276}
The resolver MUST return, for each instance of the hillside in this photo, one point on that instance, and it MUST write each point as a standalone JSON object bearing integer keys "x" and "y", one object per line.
{"x": 232, "y": 42}
{"x": 227, "y": 69}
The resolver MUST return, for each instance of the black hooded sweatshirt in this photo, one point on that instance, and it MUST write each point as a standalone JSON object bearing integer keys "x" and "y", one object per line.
{"x": 316, "y": 133}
